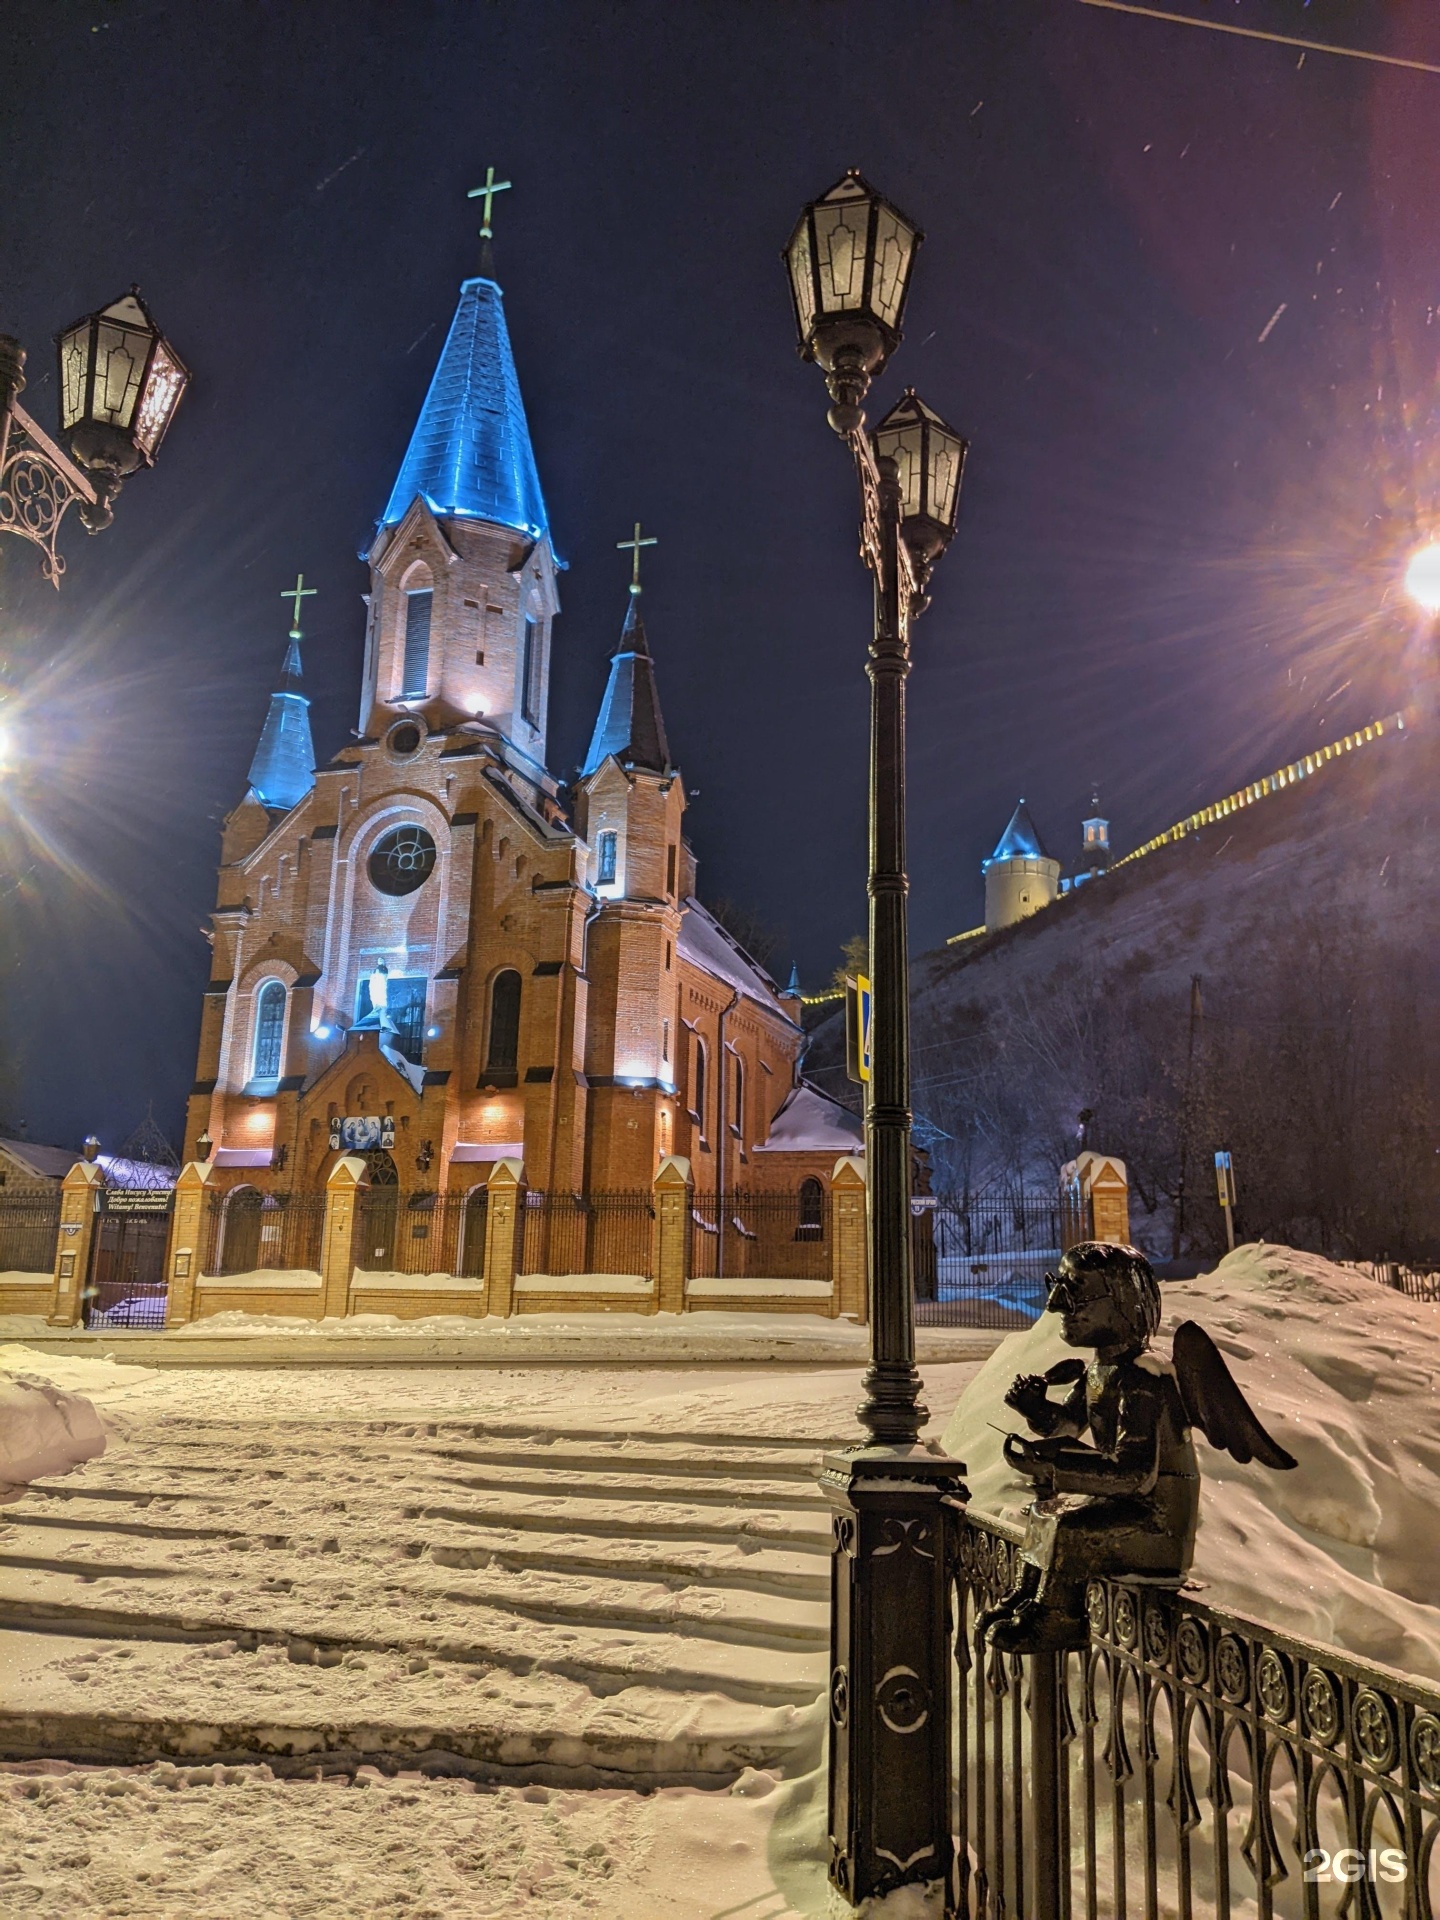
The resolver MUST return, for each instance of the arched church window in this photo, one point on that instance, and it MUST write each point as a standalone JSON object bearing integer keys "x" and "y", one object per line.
{"x": 269, "y": 1031}
{"x": 416, "y": 676}
{"x": 737, "y": 1111}
{"x": 401, "y": 860}
{"x": 532, "y": 663}
{"x": 811, "y": 1222}
{"x": 697, "y": 1085}
{"x": 503, "y": 1052}
{"x": 606, "y": 875}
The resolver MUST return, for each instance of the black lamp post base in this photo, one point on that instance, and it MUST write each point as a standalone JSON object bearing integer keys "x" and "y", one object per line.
{"x": 889, "y": 1634}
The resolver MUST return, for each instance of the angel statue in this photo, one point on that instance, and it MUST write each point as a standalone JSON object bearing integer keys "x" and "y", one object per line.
{"x": 1127, "y": 1502}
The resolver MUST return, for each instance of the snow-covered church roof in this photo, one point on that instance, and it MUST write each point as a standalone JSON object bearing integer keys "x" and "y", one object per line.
{"x": 705, "y": 942}
{"x": 810, "y": 1121}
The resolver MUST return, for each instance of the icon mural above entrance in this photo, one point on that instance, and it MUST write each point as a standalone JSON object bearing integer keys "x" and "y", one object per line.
{"x": 362, "y": 1132}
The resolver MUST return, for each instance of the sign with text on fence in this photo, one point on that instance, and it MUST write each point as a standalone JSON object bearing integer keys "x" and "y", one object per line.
{"x": 138, "y": 1199}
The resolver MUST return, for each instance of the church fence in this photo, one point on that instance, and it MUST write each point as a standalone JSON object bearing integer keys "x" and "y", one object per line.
{"x": 1419, "y": 1283}
{"x": 762, "y": 1236}
{"x": 418, "y": 1233}
{"x": 981, "y": 1262}
{"x": 1187, "y": 1762}
{"x": 29, "y": 1224}
{"x": 571, "y": 1233}
{"x": 247, "y": 1231}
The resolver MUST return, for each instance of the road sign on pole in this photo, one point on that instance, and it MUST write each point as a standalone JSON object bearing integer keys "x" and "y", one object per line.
{"x": 1225, "y": 1182}
{"x": 858, "y": 1028}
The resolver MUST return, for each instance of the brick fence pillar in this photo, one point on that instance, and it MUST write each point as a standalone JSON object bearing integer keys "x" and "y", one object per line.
{"x": 672, "y": 1233}
{"x": 185, "y": 1248}
{"x": 504, "y": 1224}
{"x": 349, "y": 1179}
{"x": 79, "y": 1198}
{"x": 849, "y": 1288}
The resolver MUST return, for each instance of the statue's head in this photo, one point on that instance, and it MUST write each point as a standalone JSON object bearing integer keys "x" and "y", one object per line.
{"x": 1106, "y": 1296}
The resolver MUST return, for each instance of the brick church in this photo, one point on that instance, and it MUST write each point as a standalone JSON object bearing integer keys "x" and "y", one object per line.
{"x": 434, "y": 953}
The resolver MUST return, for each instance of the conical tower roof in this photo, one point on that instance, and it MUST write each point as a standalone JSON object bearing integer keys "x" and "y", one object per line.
{"x": 470, "y": 453}
{"x": 1020, "y": 838}
{"x": 283, "y": 770}
{"x": 630, "y": 724}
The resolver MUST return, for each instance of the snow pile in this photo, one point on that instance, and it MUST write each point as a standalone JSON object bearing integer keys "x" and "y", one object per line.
{"x": 1342, "y": 1372}
{"x": 43, "y": 1431}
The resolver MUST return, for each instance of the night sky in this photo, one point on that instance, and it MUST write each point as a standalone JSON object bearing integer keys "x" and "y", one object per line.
{"x": 1179, "y": 545}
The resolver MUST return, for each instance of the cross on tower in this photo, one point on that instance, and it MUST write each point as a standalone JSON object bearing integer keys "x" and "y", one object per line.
{"x": 634, "y": 545}
{"x": 297, "y": 593}
{"x": 487, "y": 193}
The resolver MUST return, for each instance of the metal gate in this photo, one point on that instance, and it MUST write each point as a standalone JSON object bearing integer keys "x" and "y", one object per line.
{"x": 127, "y": 1285}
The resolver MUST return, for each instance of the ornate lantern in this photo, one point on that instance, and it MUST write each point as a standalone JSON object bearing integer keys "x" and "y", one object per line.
{"x": 120, "y": 383}
{"x": 849, "y": 262}
{"x": 929, "y": 460}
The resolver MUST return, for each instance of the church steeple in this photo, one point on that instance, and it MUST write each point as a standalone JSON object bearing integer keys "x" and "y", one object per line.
{"x": 283, "y": 770}
{"x": 470, "y": 455}
{"x": 630, "y": 725}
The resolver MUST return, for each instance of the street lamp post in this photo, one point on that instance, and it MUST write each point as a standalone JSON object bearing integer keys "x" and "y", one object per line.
{"x": 120, "y": 383}
{"x": 849, "y": 261}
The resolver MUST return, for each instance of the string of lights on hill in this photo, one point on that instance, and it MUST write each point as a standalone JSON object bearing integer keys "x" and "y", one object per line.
{"x": 1248, "y": 796}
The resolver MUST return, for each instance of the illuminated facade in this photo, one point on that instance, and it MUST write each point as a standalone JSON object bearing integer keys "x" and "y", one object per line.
{"x": 429, "y": 933}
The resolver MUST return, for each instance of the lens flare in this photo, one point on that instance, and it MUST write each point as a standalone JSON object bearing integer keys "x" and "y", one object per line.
{"x": 1422, "y": 577}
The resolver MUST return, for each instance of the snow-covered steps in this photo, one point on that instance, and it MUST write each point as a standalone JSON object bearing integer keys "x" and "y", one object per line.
{"x": 632, "y": 1604}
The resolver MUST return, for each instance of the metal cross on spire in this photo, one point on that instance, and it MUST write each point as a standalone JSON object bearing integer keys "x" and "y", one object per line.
{"x": 297, "y": 593}
{"x": 633, "y": 546}
{"x": 487, "y": 193}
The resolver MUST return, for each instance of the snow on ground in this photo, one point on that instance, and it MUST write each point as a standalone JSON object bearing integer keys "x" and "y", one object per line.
{"x": 43, "y": 1430}
{"x": 583, "y": 1579}
{"x": 1342, "y": 1372}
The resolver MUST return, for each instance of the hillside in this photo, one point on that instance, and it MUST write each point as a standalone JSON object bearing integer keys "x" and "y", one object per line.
{"x": 1313, "y": 921}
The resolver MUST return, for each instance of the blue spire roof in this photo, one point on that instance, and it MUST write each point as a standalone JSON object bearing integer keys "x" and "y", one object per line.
{"x": 629, "y": 723}
{"x": 283, "y": 770}
{"x": 1020, "y": 837}
{"x": 470, "y": 453}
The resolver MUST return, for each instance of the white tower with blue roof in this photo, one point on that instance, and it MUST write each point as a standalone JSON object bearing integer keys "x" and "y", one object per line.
{"x": 1020, "y": 876}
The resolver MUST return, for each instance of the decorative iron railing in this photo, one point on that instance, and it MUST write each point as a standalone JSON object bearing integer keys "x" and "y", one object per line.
{"x": 29, "y": 1224}
{"x": 981, "y": 1262}
{"x": 1189, "y": 1762}
{"x": 761, "y": 1236}
{"x": 247, "y": 1231}
{"x": 571, "y": 1233}
{"x": 419, "y": 1233}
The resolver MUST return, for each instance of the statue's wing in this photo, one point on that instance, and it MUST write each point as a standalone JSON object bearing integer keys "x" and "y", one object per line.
{"x": 1215, "y": 1404}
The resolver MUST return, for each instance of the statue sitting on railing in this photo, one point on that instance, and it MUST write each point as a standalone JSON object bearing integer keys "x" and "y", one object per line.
{"x": 1126, "y": 1503}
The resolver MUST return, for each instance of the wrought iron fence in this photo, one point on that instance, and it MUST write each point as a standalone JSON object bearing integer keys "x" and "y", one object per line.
{"x": 29, "y": 1223}
{"x": 421, "y": 1232}
{"x": 1187, "y": 1762}
{"x": 762, "y": 1236}
{"x": 981, "y": 1262}
{"x": 247, "y": 1231}
{"x": 571, "y": 1233}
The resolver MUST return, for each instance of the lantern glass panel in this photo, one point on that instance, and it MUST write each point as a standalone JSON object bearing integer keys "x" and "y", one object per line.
{"x": 947, "y": 456}
{"x": 120, "y": 356}
{"x": 842, "y": 231}
{"x": 74, "y": 357}
{"x": 163, "y": 387}
{"x": 894, "y": 250}
{"x": 802, "y": 279}
{"x": 904, "y": 443}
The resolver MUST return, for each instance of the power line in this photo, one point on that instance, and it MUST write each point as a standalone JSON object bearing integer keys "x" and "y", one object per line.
{"x": 1254, "y": 33}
